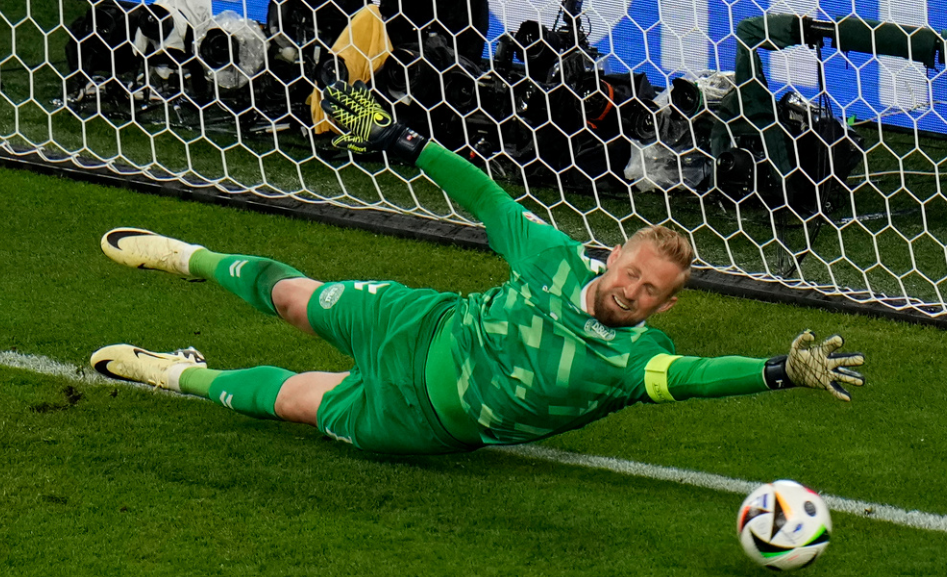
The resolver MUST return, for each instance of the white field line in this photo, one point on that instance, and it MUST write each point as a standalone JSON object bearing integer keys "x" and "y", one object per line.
{"x": 79, "y": 373}
{"x": 47, "y": 366}
{"x": 864, "y": 509}
{"x": 880, "y": 512}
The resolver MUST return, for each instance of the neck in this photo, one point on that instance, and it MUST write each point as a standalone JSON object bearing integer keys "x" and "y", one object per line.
{"x": 590, "y": 296}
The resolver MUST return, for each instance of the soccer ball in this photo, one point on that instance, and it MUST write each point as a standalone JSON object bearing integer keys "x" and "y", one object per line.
{"x": 784, "y": 525}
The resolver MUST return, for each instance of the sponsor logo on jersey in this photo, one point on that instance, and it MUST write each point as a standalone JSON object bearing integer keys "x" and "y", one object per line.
{"x": 331, "y": 295}
{"x": 532, "y": 217}
{"x": 597, "y": 329}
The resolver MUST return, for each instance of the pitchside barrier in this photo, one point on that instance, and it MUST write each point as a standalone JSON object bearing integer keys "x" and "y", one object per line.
{"x": 799, "y": 144}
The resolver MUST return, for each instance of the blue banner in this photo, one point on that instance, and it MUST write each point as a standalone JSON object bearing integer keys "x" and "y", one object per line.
{"x": 669, "y": 38}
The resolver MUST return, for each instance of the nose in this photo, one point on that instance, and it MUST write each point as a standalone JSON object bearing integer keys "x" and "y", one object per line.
{"x": 631, "y": 290}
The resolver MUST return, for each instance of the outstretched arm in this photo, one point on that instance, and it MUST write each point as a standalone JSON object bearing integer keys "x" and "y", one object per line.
{"x": 674, "y": 378}
{"x": 465, "y": 183}
{"x": 512, "y": 231}
{"x": 371, "y": 129}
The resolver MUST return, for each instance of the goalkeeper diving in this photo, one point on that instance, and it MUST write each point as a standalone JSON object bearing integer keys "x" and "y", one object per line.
{"x": 562, "y": 343}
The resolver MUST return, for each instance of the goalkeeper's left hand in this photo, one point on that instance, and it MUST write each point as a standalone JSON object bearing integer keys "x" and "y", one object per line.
{"x": 370, "y": 127}
{"x": 816, "y": 367}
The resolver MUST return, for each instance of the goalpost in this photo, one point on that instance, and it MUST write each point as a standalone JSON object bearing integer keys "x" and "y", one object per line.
{"x": 799, "y": 144}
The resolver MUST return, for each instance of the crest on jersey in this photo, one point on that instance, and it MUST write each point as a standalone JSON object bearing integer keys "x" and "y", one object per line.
{"x": 597, "y": 329}
{"x": 331, "y": 295}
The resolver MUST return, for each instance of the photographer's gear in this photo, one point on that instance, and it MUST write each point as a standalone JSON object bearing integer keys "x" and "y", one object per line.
{"x": 370, "y": 127}
{"x": 736, "y": 173}
{"x": 686, "y": 97}
{"x": 308, "y": 27}
{"x": 155, "y": 22}
{"x": 218, "y": 49}
{"x": 231, "y": 48}
{"x": 433, "y": 88}
{"x": 855, "y": 34}
{"x": 465, "y": 23}
{"x": 168, "y": 26}
{"x": 808, "y": 152}
{"x": 100, "y": 37}
{"x": 331, "y": 70}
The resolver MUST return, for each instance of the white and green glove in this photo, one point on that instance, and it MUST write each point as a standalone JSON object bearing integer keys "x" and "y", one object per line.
{"x": 370, "y": 127}
{"x": 816, "y": 367}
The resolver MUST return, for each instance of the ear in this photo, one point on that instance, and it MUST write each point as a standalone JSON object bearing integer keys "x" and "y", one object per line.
{"x": 613, "y": 256}
{"x": 667, "y": 305}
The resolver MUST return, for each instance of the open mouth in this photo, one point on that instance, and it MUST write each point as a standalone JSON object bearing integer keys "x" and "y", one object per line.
{"x": 620, "y": 304}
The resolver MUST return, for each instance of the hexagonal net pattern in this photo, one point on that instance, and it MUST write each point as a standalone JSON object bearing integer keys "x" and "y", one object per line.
{"x": 795, "y": 142}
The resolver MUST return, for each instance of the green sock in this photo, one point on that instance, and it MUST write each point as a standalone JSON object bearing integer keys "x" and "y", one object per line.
{"x": 251, "y": 278}
{"x": 251, "y": 392}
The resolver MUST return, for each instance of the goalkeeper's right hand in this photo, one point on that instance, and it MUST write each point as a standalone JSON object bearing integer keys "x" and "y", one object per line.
{"x": 370, "y": 127}
{"x": 816, "y": 367}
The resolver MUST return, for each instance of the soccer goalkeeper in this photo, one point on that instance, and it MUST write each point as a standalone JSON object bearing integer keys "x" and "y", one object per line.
{"x": 562, "y": 343}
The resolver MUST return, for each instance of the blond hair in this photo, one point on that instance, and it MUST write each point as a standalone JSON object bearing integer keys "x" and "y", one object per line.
{"x": 668, "y": 243}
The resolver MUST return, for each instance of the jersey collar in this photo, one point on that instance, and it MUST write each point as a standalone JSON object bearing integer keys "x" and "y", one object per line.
{"x": 598, "y": 267}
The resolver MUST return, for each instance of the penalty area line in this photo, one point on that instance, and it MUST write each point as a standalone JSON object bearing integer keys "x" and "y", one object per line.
{"x": 863, "y": 509}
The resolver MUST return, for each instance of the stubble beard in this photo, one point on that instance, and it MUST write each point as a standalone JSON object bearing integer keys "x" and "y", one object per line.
{"x": 605, "y": 313}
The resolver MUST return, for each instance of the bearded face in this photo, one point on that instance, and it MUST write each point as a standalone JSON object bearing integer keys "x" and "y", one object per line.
{"x": 638, "y": 283}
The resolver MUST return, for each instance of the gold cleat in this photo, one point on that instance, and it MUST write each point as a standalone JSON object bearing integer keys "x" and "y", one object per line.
{"x": 160, "y": 370}
{"x": 144, "y": 249}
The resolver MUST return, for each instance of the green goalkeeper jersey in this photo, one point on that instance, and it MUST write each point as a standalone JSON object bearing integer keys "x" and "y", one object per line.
{"x": 531, "y": 362}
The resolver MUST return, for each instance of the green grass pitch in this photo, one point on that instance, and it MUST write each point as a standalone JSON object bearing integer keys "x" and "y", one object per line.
{"x": 115, "y": 480}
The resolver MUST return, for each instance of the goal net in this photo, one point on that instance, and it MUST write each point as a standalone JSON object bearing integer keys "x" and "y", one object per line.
{"x": 798, "y": 143}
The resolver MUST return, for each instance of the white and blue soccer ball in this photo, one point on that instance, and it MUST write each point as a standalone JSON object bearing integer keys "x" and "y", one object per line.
{"x": 784, "y": 525}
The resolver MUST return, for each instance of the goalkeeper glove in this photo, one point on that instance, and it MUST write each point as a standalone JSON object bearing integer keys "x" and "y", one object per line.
{"x": 370, "y": 127}
{"x": 816, "y": 367}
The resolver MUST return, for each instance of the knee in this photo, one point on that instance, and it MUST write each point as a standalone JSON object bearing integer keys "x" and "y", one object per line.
{"x": 291, "y": 299}
{"x": 301, "y": 396}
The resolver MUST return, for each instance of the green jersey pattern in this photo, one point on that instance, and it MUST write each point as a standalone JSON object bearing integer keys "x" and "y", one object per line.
{"x": 530, "y": 362}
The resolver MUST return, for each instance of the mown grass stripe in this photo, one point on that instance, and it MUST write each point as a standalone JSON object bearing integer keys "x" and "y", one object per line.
{"x": 914, "y": 519}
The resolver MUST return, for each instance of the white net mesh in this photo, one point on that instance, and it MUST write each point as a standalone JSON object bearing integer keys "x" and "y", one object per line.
{"x": 797, "y": 142}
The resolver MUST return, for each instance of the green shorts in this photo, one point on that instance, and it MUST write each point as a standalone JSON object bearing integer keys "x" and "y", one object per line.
{"x": 383, "y": 405}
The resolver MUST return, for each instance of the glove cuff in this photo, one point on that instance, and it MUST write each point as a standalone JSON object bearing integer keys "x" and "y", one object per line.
{"x": 774, "y": 373}
{"x": 408, "y": 144}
